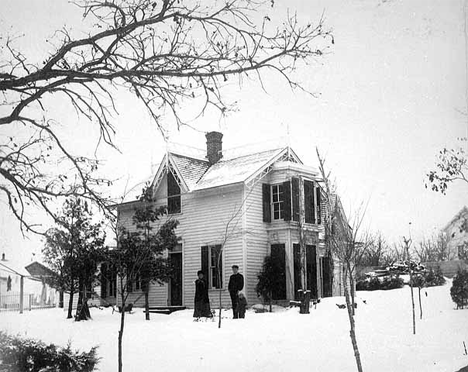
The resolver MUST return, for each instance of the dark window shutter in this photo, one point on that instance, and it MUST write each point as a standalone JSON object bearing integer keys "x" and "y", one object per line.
{"x": 266, "y": 191}
{"x": 103, "y": 280}
{"x": 205, "y": 261}
{"x": 287, "y": 201}
{"x": 309, "y": 208}
{"x": 319, "y": 205}
{"x": 295, "y": 198}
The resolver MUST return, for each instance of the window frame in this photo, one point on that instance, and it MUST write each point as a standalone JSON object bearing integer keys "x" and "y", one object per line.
{"x": 280, "y": 202}
{"x": 211, "y": 266}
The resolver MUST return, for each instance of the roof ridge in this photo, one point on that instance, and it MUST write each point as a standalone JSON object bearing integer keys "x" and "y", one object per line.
{"x": 188, "y": 156}
{"x": 253, "y": 153}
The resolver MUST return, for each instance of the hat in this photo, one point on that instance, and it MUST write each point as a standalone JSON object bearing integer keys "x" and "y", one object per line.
{"x": 235, "y": 266}
{"x": 200, "y": 272}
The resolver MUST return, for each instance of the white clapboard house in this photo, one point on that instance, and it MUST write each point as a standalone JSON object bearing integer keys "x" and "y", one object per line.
{"x": 244, "y": 208}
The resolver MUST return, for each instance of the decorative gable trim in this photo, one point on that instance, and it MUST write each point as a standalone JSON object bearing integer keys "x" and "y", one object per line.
{"x": 287, "y": 154}
{"x": 168, "y": 164}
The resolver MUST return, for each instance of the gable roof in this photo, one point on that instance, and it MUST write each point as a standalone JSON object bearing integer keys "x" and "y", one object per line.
{"x": 230, "y": 171}
{"x": 198, "y": 174}
{"x": 191, "y": 170}
{"x": 462, "y": 213}
{"x": 37, "y": 269}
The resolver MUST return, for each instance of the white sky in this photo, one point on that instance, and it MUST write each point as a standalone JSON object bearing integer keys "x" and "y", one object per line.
{"x": 392, "y": 93}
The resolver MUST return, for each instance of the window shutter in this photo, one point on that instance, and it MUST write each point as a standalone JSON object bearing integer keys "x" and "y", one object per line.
{"x": 295, "y": 199}
{"x": 205, "y": 262}
{"x": 319, "y": 205}
{"x": 103, "y": 280}
{"x": 266, "y": 191}
{"x": 309, "y": 202}
{"x": 287, "y": 200}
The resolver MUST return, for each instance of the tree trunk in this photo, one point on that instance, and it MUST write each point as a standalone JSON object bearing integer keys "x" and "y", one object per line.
{"x": 79, "y": 306}
{"x": 219, "y": 321}
{"x": 420, "y": 304}
{"x": 121, "y": 331}
{"x": 351, "y": 284}
{"x": 147, "y": 314}
{"x": 352, "y": 331}
{"x": 122, "y": 324}
{"x": 70, "y": 304}
{"x": 60, "y": 300}
{"x": 412, "y": 300}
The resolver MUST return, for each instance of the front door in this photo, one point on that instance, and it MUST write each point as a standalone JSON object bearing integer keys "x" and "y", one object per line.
{"x": 175, "y": 283}
{"x": 278, "y": 255}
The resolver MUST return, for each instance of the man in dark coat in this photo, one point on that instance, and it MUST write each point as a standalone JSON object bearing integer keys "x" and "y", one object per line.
{"x": 236, "y": 284}
{"x": 202, "y": 301}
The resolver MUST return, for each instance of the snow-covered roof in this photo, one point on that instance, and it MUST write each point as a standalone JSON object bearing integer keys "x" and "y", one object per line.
{"x": 195, "y": 173}
{"x": 226, "y": 172}
{"x": 190, "y": 169}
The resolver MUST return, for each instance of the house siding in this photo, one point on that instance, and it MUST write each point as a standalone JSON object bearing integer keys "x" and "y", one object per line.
{"x": 202, "y": 221}
{"x": 257, "y": 244}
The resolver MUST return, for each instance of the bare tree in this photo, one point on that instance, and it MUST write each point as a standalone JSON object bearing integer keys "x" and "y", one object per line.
{"x": 410, "y": 270}
{"x": 139, "y": 255}
{"x": 376, "y": 250}
{"x": 434, "y": 248}
{"x": 165, "y": 53}
{"x": 342, "y": 238}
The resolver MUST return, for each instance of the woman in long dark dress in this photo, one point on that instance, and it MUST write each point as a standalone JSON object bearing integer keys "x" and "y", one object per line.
{"x": 202, "y": 301}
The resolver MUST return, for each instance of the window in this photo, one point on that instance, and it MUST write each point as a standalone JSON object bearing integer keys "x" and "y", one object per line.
{"x": 212, "y": 265}
{"x": 108, "y": 280}
{"x": 282, "y": 201}
{"x": 173, "y": 194}
{"x": 134, "y": 284}
{"x": 277, "y": 200}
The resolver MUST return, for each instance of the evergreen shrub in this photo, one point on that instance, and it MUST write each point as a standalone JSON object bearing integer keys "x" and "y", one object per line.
{"x": 19, "y": 354}
{"x": 459, "y": 290}
{"x": 374, "y": 283}
{"x": 434, "y": 278}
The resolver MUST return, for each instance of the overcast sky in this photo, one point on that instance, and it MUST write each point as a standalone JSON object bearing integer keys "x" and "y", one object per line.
{"x": 390, "y": 94}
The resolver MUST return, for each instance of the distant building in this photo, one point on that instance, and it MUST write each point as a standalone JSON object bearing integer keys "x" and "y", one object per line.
{"x": 457, "y": 234}
{"x": 255, "y": 205}
{"x": 28, "y": 282}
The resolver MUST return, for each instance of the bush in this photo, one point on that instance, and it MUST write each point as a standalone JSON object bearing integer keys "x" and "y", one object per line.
{"x": 459, "y": 290}
{"x": 374, "y": 283}
{"x": 391, "y": 282}
{"x": 434, "y": 278}
{"x": 27, "y": 355}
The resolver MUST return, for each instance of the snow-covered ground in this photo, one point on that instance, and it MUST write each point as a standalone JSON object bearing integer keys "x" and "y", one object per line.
{"x": 279, "y": 341}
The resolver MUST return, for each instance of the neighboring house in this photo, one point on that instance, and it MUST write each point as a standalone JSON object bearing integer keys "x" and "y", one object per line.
{"x": 253, "y": 206}
{"x": 30, "y": 281}
{"x": 457, "y": 233}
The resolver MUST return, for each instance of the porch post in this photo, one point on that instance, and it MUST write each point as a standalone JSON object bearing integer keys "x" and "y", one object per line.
{"x": 21, "y": 293}
{"x": 301, "y": 235}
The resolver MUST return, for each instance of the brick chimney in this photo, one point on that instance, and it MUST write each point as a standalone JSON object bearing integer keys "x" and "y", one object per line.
{"x": 3, "y": 257}
{"x": 214, "y": 147}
